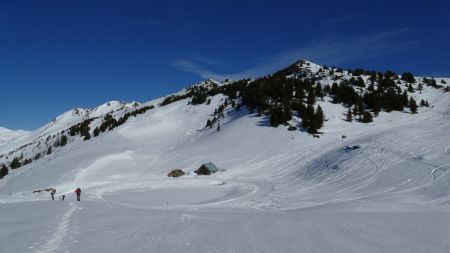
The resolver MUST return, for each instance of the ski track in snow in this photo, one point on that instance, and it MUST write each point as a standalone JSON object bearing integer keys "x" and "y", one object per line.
{"x": 56, "y": 239}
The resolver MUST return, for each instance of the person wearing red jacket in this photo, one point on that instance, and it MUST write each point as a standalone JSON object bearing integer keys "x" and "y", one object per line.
{"x": 78, "y": 192}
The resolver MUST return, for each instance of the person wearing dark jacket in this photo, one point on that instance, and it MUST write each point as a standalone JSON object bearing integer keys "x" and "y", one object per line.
{"x": 78, "y": 192}
{"x": 52, "y": 193}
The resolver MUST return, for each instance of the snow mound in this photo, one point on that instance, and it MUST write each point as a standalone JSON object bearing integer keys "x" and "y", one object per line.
{"x": 192, "y": 195}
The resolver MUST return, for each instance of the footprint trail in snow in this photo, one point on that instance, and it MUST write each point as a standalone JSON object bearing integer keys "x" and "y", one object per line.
{"x": 55, "y": 240}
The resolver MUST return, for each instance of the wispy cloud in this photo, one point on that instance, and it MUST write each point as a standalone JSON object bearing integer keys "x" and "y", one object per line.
{"x": 190, "y": 66}
{"x": 340, "y": 19}
{"x": 331, "y": 50}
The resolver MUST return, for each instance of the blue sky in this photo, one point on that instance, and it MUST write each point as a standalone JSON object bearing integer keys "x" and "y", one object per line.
{"x": 57, "y": 55}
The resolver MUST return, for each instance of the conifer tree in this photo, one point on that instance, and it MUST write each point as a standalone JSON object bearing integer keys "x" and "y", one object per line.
{"x": 408, "y": 77}
{"x": 420, "y": 87}
{"x": 15, "y": 163}
{"x": 311, "y": 99}
{"x": 405, "y": 98}
{"x": 209, "y": 123}
{"x": 413, "y": 105}
{"x": 349, "y": 115}
{"x": 319, "y": 117}
{"x": 367, "y": 117}
{"x": 57, "y": 143}
{"x": 63, "y": 141}
{"x": 355, "y": 110}
{"x": 3, "y": 171}
{"x": 96, "y": 132}
{"x": 422, "y": 102}
{"x": 276, "y": 115}
{"x": 319, "y": 91}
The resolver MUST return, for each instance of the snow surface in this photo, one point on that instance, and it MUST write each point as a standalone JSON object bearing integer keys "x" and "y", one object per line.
{"x": 8, "y": 135}
{"x": 278, "y": 191}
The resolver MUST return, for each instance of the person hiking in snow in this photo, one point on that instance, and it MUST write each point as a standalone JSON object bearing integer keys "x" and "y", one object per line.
{"x": 62, "y": 197}
{"x": 78, "y": 192}
{"x": 52, "y": 193}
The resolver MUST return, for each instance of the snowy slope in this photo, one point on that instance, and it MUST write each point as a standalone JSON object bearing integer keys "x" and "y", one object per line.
{"x": 278, "y": 191}
{"x": 7, "y": 134}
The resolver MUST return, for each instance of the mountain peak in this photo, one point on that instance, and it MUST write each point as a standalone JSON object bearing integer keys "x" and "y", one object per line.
{"x": 308, "y": 65}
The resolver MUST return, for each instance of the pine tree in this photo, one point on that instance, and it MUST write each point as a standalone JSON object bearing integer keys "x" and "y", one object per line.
{"x": 413, "y": 105}
{"x": 367, "y": 117}
{"x": 3, "y": 171}
{"x": 209, "y": 123}
{"x": 355, "y": 110}
{"x": 275, "y": 114}
{"x": 286, "y": 115}
{"x": 360, "y": 82}
{"x": 311, "y": 99}
{"x": 96, "y": 132}
{"x": 63, "y": 141}
{"x": 360, "y": 109}
{"x": 408, "y": 77}
{"x": 15, "y": 163}
{"x": 422, "y": 102}
{"x": 405, "y": 100}
{"x": 57, "y": 143}
{"x": 319, "y": 91}
{"x": 349, "y": 115}
{"x": 420, "y": 86}
{"x": 319, "y": 117}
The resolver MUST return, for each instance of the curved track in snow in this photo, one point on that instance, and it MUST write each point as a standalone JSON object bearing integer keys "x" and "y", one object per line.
{"x": 62, "y": 230}
{"x": 231, "y": 193}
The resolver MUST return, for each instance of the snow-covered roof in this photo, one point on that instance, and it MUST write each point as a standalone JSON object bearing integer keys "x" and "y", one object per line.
{"x": 211, "y": 167}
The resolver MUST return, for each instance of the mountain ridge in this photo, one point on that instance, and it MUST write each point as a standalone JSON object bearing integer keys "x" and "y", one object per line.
{"x": 51, "y": 133}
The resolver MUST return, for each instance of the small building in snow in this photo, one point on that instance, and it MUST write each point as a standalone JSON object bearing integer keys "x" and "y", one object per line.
{"x": 176, "y": 173}
{"x": 207, "y": 169}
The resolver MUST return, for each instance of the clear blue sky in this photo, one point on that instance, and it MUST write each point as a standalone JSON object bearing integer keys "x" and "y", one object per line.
{"x": 57, "y": 55}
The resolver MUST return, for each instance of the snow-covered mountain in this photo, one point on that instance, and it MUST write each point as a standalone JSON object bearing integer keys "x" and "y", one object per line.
{"x": 382, "y": 186}
{"x": 7, "y": 134}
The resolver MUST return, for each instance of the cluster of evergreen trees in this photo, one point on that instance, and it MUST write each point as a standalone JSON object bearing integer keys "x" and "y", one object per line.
{"x": 82, "y": 129}
{"x": 279, "y": 97}
{"x": 60, "y": 141}
{"x": 220, "y": 113}
{"x": 173, "y": 98}
{"x": 200, "y": 94}
{"x": 109, "y": 122}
